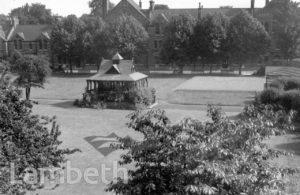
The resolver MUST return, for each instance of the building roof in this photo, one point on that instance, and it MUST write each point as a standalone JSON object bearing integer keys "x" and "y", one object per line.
{"x": 136, "y": 76}
{"x": 124, "y": 71}
{"x": 170, "y": 13}
{"x": 2, "y": 33}
{"x": 31, "y": 32}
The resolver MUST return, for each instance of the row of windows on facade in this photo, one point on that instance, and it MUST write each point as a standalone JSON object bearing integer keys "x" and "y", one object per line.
{"x": 43, "y": 44}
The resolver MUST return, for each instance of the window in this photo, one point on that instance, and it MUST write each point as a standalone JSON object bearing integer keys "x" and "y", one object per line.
{"x": 157, "y": 60}
{"x": 160, "y": 44}
{"x": 45, "y": 44}
{"x": 20, "y": 45}
{"x": 157, "y": 28}
{"x": 267, "y": 26}
{"x": 16, "y": 44}
{"x": 41, "y": 44}
{"x": 30, "y": 45}
{"x": 155, "y": 44}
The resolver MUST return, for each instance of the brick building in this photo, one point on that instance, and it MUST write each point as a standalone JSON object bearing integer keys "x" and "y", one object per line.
{"x": 34, "y": 39}
{"x": 26, "y": 39}
{"x": 154, "y": 20}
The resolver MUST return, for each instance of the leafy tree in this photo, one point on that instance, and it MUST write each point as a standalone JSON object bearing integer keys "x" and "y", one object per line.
{"x": 35, "y": 13}
{"x": 68, "y": 38}
{"x": 209, "y": 39}
{"x": 177, "y": 43}
{"x": 219, "y": 156}
{"x": 96, "y": 7}
{"x": 26, "y": 142}
{"x": 286, "y": 26}
{"x": 32, "y": 72}
{"x": 127, "y": 36}
{"x": 97, "y": 44}
{"x": 247, "y": 39}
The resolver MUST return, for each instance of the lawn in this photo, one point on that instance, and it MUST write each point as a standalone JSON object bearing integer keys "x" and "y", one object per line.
{"x": 89, "y": 129}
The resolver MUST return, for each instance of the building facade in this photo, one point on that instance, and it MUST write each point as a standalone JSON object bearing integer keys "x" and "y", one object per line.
{"x": 26, "y": 39}
{"x": 154, "y": 20}
{"x": 35, "y": 39}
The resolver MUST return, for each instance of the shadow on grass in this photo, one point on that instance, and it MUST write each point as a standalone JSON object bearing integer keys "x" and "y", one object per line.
{"x": 65, "y": 104}
{"x": 77, "y": 75}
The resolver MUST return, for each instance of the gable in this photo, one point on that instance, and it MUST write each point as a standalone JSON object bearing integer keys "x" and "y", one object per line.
{"x": 127, "y": 7}
{"x": 113, "y": 70}
{"x": 30, "y": 32}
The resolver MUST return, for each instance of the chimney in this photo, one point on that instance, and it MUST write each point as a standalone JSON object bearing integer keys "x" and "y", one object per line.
{"x": 252, "y": 7}
{"x": 105, "y": 8}
{"x": 200, "y": 11}
{"x": 15, "y": 21}
{"x": 267, "y": 2}
{"x": 151, "y": 5}
{"x": 141, "y": 4}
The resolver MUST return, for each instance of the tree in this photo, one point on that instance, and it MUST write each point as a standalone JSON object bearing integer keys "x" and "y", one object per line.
{"x": 127, "y": 36}
{"x": 248, "y": 41}
{"x": 286, "y": 26}
{"x": 32, "y": 72}
{"x": 96, "y": 7}
{"x": 97, "y": 41}
{"x": 68, "y": 38}
{"x": 219, "y": 156}
{"x": 35, "y": 13}
{"x": 26, "y": 142}
{"x": 178, "y": 38}
{"x": 209, "y": 39}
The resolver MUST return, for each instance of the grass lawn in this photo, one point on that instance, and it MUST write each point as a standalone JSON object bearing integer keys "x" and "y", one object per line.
{"x": 87, "y": 128}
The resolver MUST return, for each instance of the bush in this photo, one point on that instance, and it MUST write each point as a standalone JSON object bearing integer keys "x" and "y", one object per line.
{"x": 139, "y": 99}
{"x": 269, "y": 96}
{"x": 290, "y": 100}
{"x": 286, "y": 84}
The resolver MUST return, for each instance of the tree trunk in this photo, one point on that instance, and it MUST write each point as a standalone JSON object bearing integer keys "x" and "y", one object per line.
{"x": 240, "y": 69}
{"x": 210, "y": 68}
{"x": 27, "y": 90}
{"x": 70, "y": 64}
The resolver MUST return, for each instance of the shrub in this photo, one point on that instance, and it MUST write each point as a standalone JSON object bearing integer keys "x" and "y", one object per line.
{"x": 269, "y": 96}
{"x": 290, "y": 100}
{"x": 138, "y": 99}
{"x": 286, "y": 84}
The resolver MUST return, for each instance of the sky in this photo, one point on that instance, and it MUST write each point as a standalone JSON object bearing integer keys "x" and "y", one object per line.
{"x": 79, "y": 7}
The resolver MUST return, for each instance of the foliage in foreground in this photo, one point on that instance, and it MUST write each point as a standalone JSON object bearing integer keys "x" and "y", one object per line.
{"x": 27, "y": 141}
{"x": 219, "y": 156}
